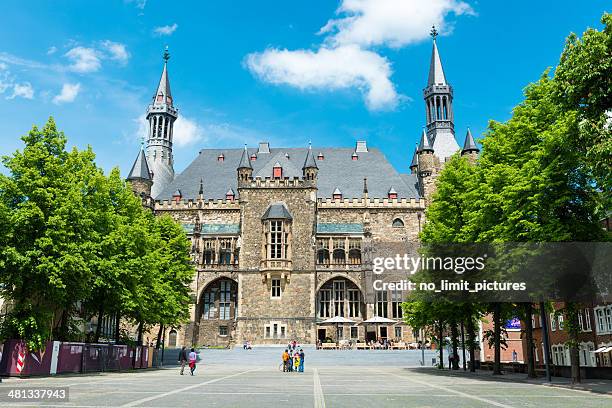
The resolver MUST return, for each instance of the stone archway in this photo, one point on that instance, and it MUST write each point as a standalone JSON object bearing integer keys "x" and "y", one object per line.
{"x": 216, "y": 312}
{"x": 340, "y": 296}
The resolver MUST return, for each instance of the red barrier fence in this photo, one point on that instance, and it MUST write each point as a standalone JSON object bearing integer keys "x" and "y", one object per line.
{"x": 68, "y": 357}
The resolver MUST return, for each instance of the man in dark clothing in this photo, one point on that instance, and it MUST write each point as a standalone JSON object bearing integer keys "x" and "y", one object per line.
{"x": 182, "y": 359}
{"x": 301, "y": 368}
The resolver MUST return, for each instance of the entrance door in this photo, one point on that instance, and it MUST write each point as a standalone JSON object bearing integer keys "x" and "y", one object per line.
{"x": 383, "y": 332}
{"x": 321, "y": 335}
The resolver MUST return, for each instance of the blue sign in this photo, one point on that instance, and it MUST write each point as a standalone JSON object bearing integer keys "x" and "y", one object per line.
{"x": 513, "y": 323}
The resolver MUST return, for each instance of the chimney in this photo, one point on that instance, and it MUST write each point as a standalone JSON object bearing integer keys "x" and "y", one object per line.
{"x": 362, "y": 147}
{"x": 264, "y": 147}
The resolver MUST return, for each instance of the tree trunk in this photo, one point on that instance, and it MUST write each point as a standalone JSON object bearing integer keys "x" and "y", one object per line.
{"x": 99, "y": 326}
{"x": 573, "y": 330}
{"x": 441, "y": 345}
{"x": 472, "y": 334}
{"x": 529, "y": 340}
{"x": 138, "y": 344}
{"x": 117, "y": 327}
{"x": 497, "y": 338}
{"x": 454, "y": 337}
{"x": 159, "y": 336}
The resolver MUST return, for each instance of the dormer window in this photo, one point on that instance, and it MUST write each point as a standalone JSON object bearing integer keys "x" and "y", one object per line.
{"x": 354, "y": 157}
{"x": 392, "y": 194}
{"x": 177, "y": 196}
{"x": 337, "y": 194}
{"x": 253, "y": 157}
{"x": 220, "y": 158}
{"x": 230, "y": 195}
{"x": 320, "y": 156}
{"x": 277, "y": 171}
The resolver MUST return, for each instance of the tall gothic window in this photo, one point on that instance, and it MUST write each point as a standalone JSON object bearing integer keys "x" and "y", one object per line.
{"x": 396, "y": 304}
{"x": 353, "y": 298}
{"x": 324, "y": 302}
{"x": 339, "y": 298}
{"x": 219, "y": 300}
{"x": 381, "y": 303}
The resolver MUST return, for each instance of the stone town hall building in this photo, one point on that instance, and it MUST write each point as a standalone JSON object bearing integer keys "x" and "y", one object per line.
{"x": 279, "y": 234}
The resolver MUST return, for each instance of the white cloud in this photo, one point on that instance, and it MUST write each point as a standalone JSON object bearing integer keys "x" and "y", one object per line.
{"x": 51, "y": 50}
{"x": 329, "y": 68}
{"x": 117, "y": 51}
{"x": 345, "y": 58}
{"x": 165, "y": 30}
{"x": 84, "y": 59}
{"x": 68, "y": 93}
{"x": 23, "y": 90}
{"x": 394, "y": 23}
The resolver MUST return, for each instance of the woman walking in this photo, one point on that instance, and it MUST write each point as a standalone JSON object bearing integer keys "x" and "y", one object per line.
{"x": 192, "y": 360}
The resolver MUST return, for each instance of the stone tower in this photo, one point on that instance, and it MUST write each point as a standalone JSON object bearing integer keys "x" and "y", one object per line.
{"x": 161, "y": 115}
{"x": 438, "y": 95}
{"x": 310, "y": 169}
{"x": 245, "y": 169}
{"x": 427, "y": 166}
{"x": 140, "y": 178}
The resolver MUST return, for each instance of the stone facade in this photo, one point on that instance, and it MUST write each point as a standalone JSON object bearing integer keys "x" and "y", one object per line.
{"x": 277, "y": 251}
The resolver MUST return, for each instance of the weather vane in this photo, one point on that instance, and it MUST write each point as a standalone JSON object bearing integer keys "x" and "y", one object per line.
{"x": 433, "y": 32}
{"x": 166, "y": 54}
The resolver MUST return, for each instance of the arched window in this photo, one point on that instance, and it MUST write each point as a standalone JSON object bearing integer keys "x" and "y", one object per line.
{"x": 398, "y": 223}
{"x": 172, "y": 338}
{"x": 438, "y": 109}
{"x": 219, "y": 300}
{"x": 445, "y": 109}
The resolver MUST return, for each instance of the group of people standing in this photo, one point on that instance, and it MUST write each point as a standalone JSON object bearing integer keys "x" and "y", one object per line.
{"x": 192, "y": 357}
{"x": 293, "y": 359}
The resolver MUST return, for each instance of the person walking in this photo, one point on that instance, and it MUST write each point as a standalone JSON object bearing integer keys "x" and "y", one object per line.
{"x": 182, "y": 359}
{"x": 192, "y": 360}
{"x": 301, "y": 368}
{"x": 286, "y": 360}
{"x": 290, "y": 361}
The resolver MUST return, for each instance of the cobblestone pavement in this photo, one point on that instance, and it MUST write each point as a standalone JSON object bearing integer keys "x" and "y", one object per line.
{"x": 237, "y": 378}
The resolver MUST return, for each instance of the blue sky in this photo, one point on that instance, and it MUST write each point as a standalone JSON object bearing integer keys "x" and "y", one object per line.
{"x": 282, "y": 71}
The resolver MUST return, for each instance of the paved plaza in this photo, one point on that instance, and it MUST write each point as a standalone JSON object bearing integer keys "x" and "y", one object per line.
{"x": 237, "y": 378}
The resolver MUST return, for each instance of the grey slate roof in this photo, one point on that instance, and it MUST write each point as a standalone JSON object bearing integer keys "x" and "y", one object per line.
{"x": 277, "y": 211}
{"x": 335, "y": 170}
{"x": 415, "y": 160}
{"x": 140, "y": 168}
{"x": 470, "y": 145}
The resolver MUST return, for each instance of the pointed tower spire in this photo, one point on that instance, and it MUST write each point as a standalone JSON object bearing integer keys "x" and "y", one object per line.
{"x": 438, "y": 95}
{"x": 245, "y": 162}
{"x": 436, "y": 71}
{"x": 310, "y": 161}
{"x": 140, "y": 168}
{"x": 469, "y": 145}
{"x": 201, "y": 190}
{"x": 163, "y": 94}
{"x": 424, "y": 145}
{"x": 414, "y": 164}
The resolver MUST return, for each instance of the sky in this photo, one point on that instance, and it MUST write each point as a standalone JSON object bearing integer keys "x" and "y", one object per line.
{"x": 287, "y": 72}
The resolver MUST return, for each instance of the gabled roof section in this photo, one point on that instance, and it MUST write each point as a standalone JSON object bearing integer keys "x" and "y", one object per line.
{"x": 277, "y": 211}
{"x": 469, "y": 145}
{"x": 140, "y": 168}
{"x": 163, "y": 88}
{"x": 436, "y": 72}
{"x": 279, "y": 160}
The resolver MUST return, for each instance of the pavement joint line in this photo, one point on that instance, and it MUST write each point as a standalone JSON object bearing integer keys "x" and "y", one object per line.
{"x": 463, "y": 394}
{"x": 190, "y": 387}
{"x": 319, "y": 400}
